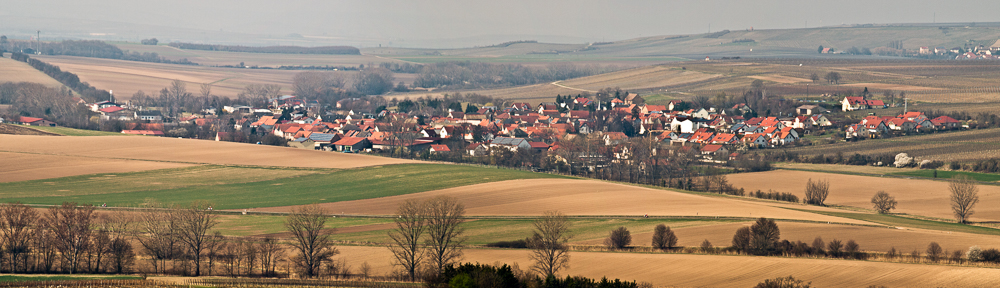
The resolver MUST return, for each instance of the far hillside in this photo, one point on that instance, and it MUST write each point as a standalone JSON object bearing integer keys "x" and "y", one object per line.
{"x": 763, "y": 43}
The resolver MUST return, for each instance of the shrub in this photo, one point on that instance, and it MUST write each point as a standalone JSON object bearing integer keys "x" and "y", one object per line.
{"x": 852, "y": 249}
{"x": 915, "y": 256}
{"x": 934, "y": 252}
{"x": 975, "y": 254}
{"x": 706, "y": 247}
{"x": 991, "y": 255}
{"x": 618, "y": 238}
{"x": 956, "y": 257}
{"x": 783, "y": 282}
{"x": 521, "y": 244}
{"x": 834, "y": 248}
{"x": 955, "y": 166}
{"x": 817, "y": 246}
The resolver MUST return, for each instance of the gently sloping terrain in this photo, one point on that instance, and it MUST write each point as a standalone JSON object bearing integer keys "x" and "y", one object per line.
{"x": 579, "y": 197}
{"x": 187, "y": 151}
{"x": 917, "y": 197}
{"x": 285, "y": 189}
{"x": 17, "y": 71}
{"x": 688, "y": 270}
{"x": 25, "y": 166}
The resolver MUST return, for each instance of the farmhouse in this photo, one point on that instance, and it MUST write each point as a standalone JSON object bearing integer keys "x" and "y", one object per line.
{"x": 149, "y": 115}
{"x": 32, "y": 121}
{"x": 851, "y": 103}
{"x": 351, "y": 144}
{"x": 809, "y": 109}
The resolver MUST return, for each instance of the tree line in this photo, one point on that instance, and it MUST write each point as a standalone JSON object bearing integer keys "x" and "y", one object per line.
{"x": 336, "y": 50}
{"x": 94, "y": 49}
{"x": 72, "y": 81}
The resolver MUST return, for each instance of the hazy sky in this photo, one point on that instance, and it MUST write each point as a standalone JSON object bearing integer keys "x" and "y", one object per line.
{"x": 416, "y": 21}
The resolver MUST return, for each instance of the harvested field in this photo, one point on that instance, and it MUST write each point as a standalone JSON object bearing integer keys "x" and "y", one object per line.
{"x": 957, "y": 146}
{"x": 188, "y": 151}
{"x": 649, "y": 77}
{"x": 687, "y": 270}
{"x": 17, "y": 71}
{"x": 25, "y": 166}
{"x": 22, "y": 130}
{"x": 580, "y": 197}
{"x": 876, "y": 239}
{"x": 127, "y": 77}
{"x": 221, "y": 58}
{"x": 917, "y": 197}
{"x": 780, "y": 78}
{"x": 897, "y": 87}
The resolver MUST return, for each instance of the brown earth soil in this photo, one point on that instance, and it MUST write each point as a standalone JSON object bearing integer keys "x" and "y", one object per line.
{"x": 25, "y": 166}
{"x": 21, "y": 130}
{"x": 580, "y": 197}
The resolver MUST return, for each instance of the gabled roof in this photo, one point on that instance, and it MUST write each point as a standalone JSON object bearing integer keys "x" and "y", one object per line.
{"x": 349, "y": 141}
{"x": 539, "y": 145}
{"x": 509, "y": 141}
{"x": 440, "y": 148}
{"x": 30, "y": 119}
{"x": 322, "y": 137}
{"x": 723, "y": 138}
{"x": 110, "y": 109}
{"x": 711, "y": 148}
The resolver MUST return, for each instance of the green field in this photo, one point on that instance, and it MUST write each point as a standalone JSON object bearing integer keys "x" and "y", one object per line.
{"x": 75, "y": 132}
{"x": 985, "y": 177}
{"x": 342, "y": 185}
{"x": 12, "y": 278}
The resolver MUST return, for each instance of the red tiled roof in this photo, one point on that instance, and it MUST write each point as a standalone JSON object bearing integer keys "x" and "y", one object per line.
{"x": 143, "y": 132}
{"x": 538, "y": 145}
{"x": 111, "y": 109}
{"x": 29, "y": 119}
{"x": 440, "y": 148}
{"x": 711, "y": 148}
{"x": 349, "y": 141}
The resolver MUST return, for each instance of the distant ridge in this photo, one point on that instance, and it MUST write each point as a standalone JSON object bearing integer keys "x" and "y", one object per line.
{"x": 337, "y": 50}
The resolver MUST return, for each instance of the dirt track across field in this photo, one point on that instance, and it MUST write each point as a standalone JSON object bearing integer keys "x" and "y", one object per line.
{"x": 579, "y": 197}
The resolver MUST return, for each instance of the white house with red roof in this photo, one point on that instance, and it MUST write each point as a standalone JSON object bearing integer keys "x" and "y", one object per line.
{"x": 852, "y": 103}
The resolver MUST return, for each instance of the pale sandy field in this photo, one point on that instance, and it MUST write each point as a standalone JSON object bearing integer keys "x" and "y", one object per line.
{"x": 579, "y": 197}
{"x": 686, "y": 270}
{"x": 780, "y": 79}
{"x": 897, "y": 87}
{"x": 919, "y": 197}
{"x": 16, "y": 71}
{"x": 24, "y": 166}
{"x": 187, "y": 151}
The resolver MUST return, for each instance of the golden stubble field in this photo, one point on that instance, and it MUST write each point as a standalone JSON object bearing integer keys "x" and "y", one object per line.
{"x": 221, "y": 58}
{"x": 581, "y": 197}
{"x": 917, "y": 197}
{"x": 686, "y": 270}
{"x": 16, "y": 71}
{"x": 184, "y": 151}
{"x": 30, "y": 166}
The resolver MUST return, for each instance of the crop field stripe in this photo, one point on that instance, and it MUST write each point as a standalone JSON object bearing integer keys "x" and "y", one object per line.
{"x": 899, "y": 221}
{"x": 344, "y": 185}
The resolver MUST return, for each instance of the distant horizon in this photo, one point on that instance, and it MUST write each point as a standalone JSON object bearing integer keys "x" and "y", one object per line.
{"x": 440, "y": 24}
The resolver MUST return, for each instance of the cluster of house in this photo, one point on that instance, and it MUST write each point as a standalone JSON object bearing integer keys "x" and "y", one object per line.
{"x": 877, "y": 126}
{"x": 976, "y": 52}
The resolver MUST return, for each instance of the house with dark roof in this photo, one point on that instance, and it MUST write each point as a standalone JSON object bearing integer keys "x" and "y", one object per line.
{"x": 510, "y": 143}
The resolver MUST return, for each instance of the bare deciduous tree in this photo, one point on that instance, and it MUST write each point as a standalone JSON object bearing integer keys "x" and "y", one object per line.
{"x": 311, "y": 239}
{"x": 411, "y": 223}
{"x": 444, "y": 215}
{"x": 15, "y": 222}
{"x": 70, "y": 225}
{"x": 618, "y": 238}
{"x": 883, "y": 202}
{"x": 548, "y": 244}
{"x": 663, "y": 237}
{"x": 270, "y": 252}
{"x": 816, "y": 192}
{"x": 934, "y": 252}
{"x": 741, "y": 240}
{"x": 964, "y": 196}
{"x": 764, "y": 236}
{"x": 192, "y": 230}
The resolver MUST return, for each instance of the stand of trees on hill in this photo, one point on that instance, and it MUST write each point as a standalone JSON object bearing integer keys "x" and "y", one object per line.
{"x": 87, "y": 92}
{"x": 338, "y": 50}
{"x": 37, "y": 100}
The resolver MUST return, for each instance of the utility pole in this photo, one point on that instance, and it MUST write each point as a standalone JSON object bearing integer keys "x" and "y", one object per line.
{"x": 38, "y": 43}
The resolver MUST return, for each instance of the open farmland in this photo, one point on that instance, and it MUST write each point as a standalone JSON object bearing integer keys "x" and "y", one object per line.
{"x": 242, "y": 189}
{"x": 917, "y": 197}
{"x": 581, "y": 197}
{"x": 686, "y": 270}
{"x": 187, "y": 151}
{"x": 17, "y": 71}
{"x": 959, "y": 146}
{"x": 222, "y": 58}
{"x": 25, "y": 166}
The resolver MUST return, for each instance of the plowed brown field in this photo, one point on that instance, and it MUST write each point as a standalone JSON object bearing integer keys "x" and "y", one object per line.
{"x": 186, "y": 151}
{"x": 918, "y": 197}
{"x": 686, "y": 270}
{"x": 580, "y": 197}
{"x": 23, "y": 166}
